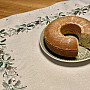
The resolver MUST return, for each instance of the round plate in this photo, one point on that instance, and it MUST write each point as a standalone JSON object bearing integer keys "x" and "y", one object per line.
{"x": 83, "y": 53}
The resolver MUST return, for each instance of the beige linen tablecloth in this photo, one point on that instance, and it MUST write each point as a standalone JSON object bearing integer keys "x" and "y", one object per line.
{"x": 23, "y": 64}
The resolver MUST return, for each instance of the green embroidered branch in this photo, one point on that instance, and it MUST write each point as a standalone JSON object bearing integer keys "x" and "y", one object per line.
{"x": 47, "y": 19}
{"x": 6, "y": 68}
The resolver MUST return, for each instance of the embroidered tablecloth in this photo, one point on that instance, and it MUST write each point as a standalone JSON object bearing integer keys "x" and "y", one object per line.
{"x": 23, "y": 64}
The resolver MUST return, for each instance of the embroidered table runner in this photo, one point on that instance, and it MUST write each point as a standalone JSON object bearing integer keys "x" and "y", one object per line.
{"x": 23, "y": 64}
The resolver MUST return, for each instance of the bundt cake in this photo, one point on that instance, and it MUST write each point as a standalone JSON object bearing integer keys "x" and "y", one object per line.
{"x": 57, "y": 39}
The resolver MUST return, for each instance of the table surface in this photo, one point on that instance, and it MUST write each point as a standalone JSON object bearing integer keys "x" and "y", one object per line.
{"x": 10, "y": 7}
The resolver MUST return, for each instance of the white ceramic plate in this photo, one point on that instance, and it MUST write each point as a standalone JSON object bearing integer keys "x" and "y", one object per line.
{"x": 83, "y": 54}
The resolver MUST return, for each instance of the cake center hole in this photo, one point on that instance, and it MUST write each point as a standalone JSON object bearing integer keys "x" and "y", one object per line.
{"x": 71, "y": 30}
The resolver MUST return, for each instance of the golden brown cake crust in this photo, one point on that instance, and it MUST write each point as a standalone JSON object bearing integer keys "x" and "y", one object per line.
{"x": 55, "y": 32}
